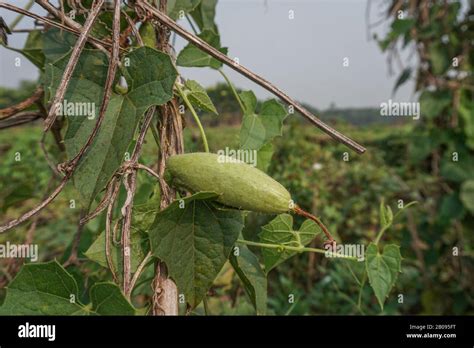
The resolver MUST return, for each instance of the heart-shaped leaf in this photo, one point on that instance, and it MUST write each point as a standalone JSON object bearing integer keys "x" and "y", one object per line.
{"x": 260, "y": 128}
{"x": 194, "y": 238}
{"x": 150, "y": 77}
{"x": 382, "y": 269}
{"x": 48, "y": 289}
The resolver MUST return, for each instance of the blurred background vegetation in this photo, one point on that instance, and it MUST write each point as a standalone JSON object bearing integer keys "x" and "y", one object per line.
{"x": 405, "y": 160}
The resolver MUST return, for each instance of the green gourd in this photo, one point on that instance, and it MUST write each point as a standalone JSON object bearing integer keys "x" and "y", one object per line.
{"x": 238, "y": 184}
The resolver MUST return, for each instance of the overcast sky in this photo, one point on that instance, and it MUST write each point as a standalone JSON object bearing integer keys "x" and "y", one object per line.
{"x": 303, "y": 56}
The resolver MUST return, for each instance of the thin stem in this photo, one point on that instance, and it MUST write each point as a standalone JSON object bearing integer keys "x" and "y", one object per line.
{"x": 305, "y": 214}
{"x": 66, "y": 19}
{"x": 154, "y": 131}
{"x": 362, "y": 284}
{"x": 19, "y": 119}
{"x": 234, "y": 92}
{"x": 148, "y": 170}
{"x": 138, "y": 272}
{"x": 46, "y": 156}
{"x": 196, "y": 118}
{"x": 380, "y": 234}
{"x": 73, "y": 258}
{"x": 191, "y": 24}
{"x": 25, "y": 104}
{"x": 111, "y": 189}
{"x": 20, "y": 16}
{"x": 385, "y": 228}
{"x": 206, "y": 305}
{"x": 132, "y": 26}
{"x": 38, "y": 208}
{"x": 108, "y": 232}
{"x": 297, "y": 249}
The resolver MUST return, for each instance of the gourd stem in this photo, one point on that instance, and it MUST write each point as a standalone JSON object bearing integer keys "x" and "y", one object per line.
{"x": 236, "y": 95}
{"x": 196, "y": 118}
{"x": 307, "y": 215}
{"x": 293, "y": 248}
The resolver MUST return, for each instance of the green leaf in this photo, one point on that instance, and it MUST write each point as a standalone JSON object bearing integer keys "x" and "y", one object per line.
{"x": 176, "y": 6}
{"x": 108, "y": 299}
{"x": 280, "y": 231}
{"x": 382, "y": 269}
{"x": 204, "y": 15}
{"x": 402, "y": 26}
{"x": 194, "y": 238}
{"x": 43, "y": 289}
{"x": 260, "y": 128}
{"x": 197, "y": 95}
{"x": 48, "y": 289}
{"x": 467, "y": 195}
{"x": 191, "y": 56}
{"x": 249, "y": 100}
{"x": 253, "y": 278}
{"x": 451, "y": 208}
{"x": 57, "y": 43}
{"x": 432, "y": 104}
{"x": 404, "y": 76}
{"x": 150, "y": 76}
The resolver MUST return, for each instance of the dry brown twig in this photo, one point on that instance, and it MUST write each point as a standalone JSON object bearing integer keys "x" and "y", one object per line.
{"x": 130, "y": 181}
{"x": 69, "y": 22}
{"x": 71, "y": 65}
{"x": 14, "y": 109}
{"x": 133, "y": 29}
{"x": 103, "y": 204}
{"x": 76, "y": 30}
{"x": 108, "y": 234}
{"x": 19, "y": 119}
{"x": 73, "y": 258}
